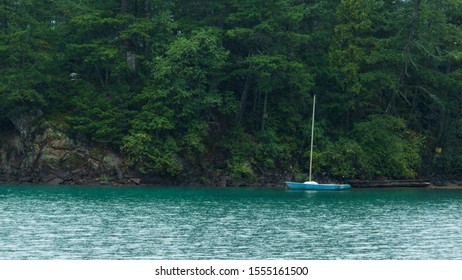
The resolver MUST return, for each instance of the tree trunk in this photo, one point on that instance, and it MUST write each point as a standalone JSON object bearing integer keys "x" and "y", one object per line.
{"x": 123, "y": 6}
{"x": 100, "y": 76}
{"x": 443, "y": 113}
{"x": 4, "y": 18}
{"x": 265, "y": 112}
{"x": 411, "y": 37}
{"x": 243, "y": 103}
{"x": 407, "y": 56}
{"x": 147, "y": 9}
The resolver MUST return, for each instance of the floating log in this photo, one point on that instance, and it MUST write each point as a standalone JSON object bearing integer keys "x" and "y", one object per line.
{"x": 389, "y": 183}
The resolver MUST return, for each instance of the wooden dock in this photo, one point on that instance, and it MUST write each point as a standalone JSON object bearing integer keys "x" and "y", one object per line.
{"x": 389, "y": 183}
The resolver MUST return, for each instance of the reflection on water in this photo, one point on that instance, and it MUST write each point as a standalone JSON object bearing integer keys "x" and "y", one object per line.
{"x": 44, "y": 222}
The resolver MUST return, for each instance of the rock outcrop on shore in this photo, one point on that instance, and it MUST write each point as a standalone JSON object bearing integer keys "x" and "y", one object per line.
{"x": 46, "y": 154}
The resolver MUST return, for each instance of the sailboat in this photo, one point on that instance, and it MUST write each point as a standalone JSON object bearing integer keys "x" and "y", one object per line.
{"x": 312, "y": 185}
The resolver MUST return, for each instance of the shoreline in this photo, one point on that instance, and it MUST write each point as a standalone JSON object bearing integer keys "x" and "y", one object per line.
{"x": 452, "y": 185}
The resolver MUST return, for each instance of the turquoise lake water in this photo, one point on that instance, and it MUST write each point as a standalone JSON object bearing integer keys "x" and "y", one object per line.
{"x": 77, "y": 222}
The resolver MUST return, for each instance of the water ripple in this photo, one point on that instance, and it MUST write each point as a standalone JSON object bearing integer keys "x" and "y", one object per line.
{"x": 176, "y": 223}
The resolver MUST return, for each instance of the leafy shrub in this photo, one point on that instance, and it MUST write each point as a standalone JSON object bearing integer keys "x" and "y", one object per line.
{"x": 239, "y": 149}
{"x": 381, "y": 146}
{"x": 152, "y": 156}
{"x": 390, "y": 149}
{"x": 271, "y": 153}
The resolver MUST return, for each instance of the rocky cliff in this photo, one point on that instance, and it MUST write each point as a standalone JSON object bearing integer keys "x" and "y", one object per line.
{"x": 42, "y": 153}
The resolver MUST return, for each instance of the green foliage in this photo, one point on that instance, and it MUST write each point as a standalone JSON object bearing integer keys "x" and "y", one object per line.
{"x": 152, "y": 155}
{"x": 182, "y": 98}
{"x": 272, "y": 153}
{"x": 381, "y": 146}
{"x": 393, "y": 151}
{"x": 100, "y": 121}
{"x": 225, "y": 87}
{"x": 357, "y": 54}
{"x": 240, "y": 149}
{"x": 448, "y": 163}
{"x": 342, "y": 159}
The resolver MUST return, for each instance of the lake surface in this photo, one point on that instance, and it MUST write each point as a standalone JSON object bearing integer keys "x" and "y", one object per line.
{"x": 76, "y": 222}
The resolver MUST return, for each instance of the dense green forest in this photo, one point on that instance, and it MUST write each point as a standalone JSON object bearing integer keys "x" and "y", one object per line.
{"x": 225, "y": 87}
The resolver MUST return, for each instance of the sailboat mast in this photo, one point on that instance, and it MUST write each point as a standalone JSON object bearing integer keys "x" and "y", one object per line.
{"x": 312, "y": 137}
